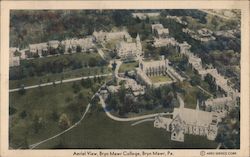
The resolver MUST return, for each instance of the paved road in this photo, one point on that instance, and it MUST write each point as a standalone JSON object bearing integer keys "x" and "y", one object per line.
{"x": 58, "y": 82}
{"x": 127, "y": 119}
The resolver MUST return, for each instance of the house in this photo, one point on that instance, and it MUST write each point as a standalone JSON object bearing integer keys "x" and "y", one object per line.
{"x": 14, "y": 60}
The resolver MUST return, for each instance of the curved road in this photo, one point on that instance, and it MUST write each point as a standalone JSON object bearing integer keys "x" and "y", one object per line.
{"x": 127, "y": 119}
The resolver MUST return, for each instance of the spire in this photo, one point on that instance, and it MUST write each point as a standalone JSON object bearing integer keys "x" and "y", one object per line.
{"x": 138, "y": 37}
{"x": 197, "y": 105}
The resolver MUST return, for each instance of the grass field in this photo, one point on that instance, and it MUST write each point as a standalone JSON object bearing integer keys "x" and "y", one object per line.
{"x": 95, "y": 131}
{"x": 67, "y": 73}
{"x": 128, "y": 66}
{"x": 58, "y": 76}
{"x": 98, "y": 131}
{"x": 156, "y": 79}
{"x": 46, "y": 103}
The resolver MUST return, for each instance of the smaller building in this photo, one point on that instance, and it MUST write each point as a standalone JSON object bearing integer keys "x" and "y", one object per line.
{"x": 159, "y": 31}
{"x": 160, "y": 42}
{"x": 143, "y": 16}
{"x": 14, "y": 60}
{"x": 184, "y": 47}
{"x": 135, "y": 88}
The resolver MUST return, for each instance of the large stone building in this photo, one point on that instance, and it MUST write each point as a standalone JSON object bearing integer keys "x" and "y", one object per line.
{"x": 102, "y": 36}
{"x": 154, "y": 67}
{"x": 129, "y": 50}
{"x": 38, "y": 48}
{"x": 189, "y": 121}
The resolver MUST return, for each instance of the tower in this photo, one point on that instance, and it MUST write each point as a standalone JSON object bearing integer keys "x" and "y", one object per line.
{"x": 138, "y": 45}
{"x": 197, "y": 105}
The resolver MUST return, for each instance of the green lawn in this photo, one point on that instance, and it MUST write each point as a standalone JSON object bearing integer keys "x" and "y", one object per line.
{"x": 58, "y": 76}
{"x": 163, "y": 78}
{"x": 128, "y": 66}
{"x": 46, "y": 103}
{"x": 68, "y": 72}
{"x": 95, "y": 131}
{"x": 98, "y": 131}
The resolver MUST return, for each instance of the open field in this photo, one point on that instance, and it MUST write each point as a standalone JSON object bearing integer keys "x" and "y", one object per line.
{"x": 98, "y": 131}
{"x": 163, "y": 78}
{"x": 58, "y": 76}
{"x": 34, "y": 116}
{"x": 128, "y": 66}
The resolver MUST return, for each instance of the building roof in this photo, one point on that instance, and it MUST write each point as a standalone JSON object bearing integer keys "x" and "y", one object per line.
{"x": 218, "y": 101}
{"x": 38, "y": 46}
{"x": 193, "y": 116}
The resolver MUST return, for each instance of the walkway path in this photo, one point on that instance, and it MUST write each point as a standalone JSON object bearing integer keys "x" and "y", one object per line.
{"x": 58, "y": 82}
{"x": 127, "y": 119}
{"x": 216, "y": 14}
{"x": 86, "y": 110}
{"x": 101, "y": 53}
{"x": 205, "y": 91}
{"x": 144, "y": 120}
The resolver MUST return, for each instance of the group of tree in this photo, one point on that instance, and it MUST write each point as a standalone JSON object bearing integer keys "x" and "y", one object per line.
{"x": 229, "y": 130}
{"x": 123, "y": 102}
{"x": 42, "y": 66}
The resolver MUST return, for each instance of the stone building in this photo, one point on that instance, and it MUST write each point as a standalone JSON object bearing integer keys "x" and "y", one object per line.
{"x": 53, "y": 44}
{"x": 102, "y": 36}
{"x": 159, "y": 31}
{"x": 189, "y": 121}
{"x": 129, "y": 50}
{"x": 154, "y": 67}
{"x": 14, "y": 60}
{"x": 38, "y": 48}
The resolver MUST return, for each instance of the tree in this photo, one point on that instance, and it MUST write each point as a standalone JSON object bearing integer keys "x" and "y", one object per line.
{"x": 64, "y": 121}
{"x": 37, "y": 123}
{"x": 78, "y": 48}
{"x": 76, "y": 87}
{"x": 114, "y": 66}
{"x": 23, "y": 114}
{"x": 22, "y": 90}
{"x": 92, "y": 62}
{"x": 69, "y": 50}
